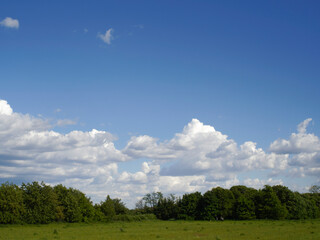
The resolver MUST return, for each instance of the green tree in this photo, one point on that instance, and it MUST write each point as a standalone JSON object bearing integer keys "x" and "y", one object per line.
{"x": 244, "y": 208}
{"x": 166, "y": 208}
{"x": 119, "y": 206}
{"x": 151, "y": 199}
{"x": 240, "y": 190}
{"x": 188, "y": 206}
{"x": 289, "y": 200}
{"x": 98, "y": 215}
{"x": 315, "y": 198}
{"x": 85, "y": 205}
{"x": 217, "y": 203}
{"x": 69, "y": 204}
{"x": 11, "y": 203}
{"x": 40, "y": 202}
{"x": 269, "y": 205}
{"x": 314, "y": 189}
{"x": 312, "y": 209}
{"x": 148, "y": 202}
{"x": 107, "y": 208}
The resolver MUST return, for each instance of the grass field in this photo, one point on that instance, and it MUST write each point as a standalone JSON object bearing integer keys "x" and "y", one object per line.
{"x": 258, "y": 229}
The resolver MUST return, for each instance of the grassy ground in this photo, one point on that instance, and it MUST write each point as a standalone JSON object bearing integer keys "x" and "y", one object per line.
{"x": 259, "y": 229}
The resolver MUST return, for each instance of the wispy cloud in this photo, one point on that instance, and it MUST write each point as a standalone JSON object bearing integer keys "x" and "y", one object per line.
{"x": 64, "y": 122}
{"x": 140, "y": 26}
{"x": 10, "y": 23}
{"x": 107, "y": 37}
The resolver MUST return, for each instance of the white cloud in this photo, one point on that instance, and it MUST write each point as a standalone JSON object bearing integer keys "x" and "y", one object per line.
{"x": 5, "y": 108}
{"x": 10, "y": 23}
{"x": 200, "y": 149}
{"x": 196, "y": 159}
{"x": 30, "y": 148}
{"x": 148, "y": 147}
{"x": 302, "y": 127}
{"x": 300, "y": 142}
{"x": 303, "y": 149}
{"x": 258, "y": 183}
{"x": 138, "y": 177}
{"x": 64, "y": 122}
{"x": 107, "y": 37}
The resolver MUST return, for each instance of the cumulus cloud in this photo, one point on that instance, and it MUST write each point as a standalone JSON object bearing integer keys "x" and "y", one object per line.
{"x": 31, "y": 147}
{"x": 5, "y": 108}
{"x": 303, "y": 149}
{"x": 195, "y": 159}
{"x": 300, "y": 142}
{"x": 200, "y": 149}
{"x": 107, "y": 37}
{"x": 148, "y": 147}
{"x": 10, "y": 23}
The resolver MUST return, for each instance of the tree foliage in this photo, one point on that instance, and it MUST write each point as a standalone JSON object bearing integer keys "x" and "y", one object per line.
{"x": 166, "y": 208}
{"x": 240, "y": 202}
{"x": 314, "y": 189}
{"x": 216, "y": 204}
{"x": 269, "y": 205}
{"x": 188, "y": 206}
{"x": 119, "y": 206}
{"x": 148, "y": 203}
{"x": 244, "y": 208}
{"x": 11, "y": 204}
{"x": 107, "y": 208}
{"x": 40, "y": 203}
{"x": 74, "y": 206}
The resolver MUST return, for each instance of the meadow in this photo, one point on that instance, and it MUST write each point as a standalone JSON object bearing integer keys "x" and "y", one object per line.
{"x": 157, "y": 229}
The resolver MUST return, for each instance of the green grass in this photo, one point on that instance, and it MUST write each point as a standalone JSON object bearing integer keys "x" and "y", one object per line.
{"x": 258, "y": 229}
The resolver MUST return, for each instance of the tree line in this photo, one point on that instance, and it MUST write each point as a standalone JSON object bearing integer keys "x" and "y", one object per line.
{"x": 238, "y": 203}
{"x": 40, "y": 203}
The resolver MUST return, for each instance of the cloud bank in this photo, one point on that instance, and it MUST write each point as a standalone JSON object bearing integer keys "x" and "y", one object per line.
{"x": 10, "y": 23}
{"x": 196, "y": 159}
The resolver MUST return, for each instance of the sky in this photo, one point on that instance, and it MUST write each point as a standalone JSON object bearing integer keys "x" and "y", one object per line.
{"x": 124, "y": 98}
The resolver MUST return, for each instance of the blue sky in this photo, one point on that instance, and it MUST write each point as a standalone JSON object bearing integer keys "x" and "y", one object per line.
{"x": 247, "y": 69}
